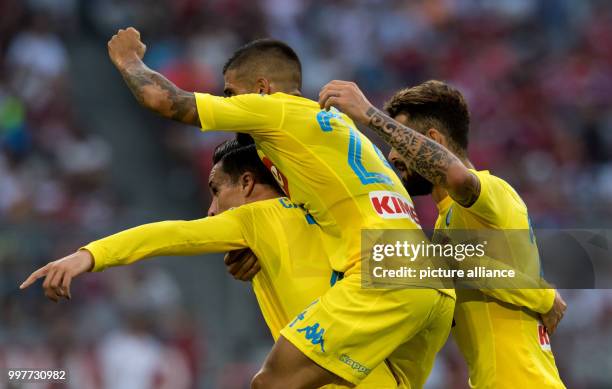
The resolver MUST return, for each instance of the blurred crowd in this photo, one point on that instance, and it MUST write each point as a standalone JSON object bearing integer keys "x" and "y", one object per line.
{"x": 51, "y": 167}
{"x": 536, "y": 74}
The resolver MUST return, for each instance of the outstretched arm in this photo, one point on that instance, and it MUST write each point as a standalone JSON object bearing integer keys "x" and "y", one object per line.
{"x": 423, "y": 155}
{"x": 213, "y": 234}
{"x": 152, "y": 90}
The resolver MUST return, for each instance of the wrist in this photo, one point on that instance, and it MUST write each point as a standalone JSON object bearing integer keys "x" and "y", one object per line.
{"x": 548, "y": 303}
{"x": 128, "y": 64}
{"x": 86, "y": 260}
{"x": 367, "y": 114}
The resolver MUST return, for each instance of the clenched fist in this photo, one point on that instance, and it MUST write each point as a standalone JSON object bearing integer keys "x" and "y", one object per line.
{"x": 125, "y": 47}
{"x": 242, "y": 264}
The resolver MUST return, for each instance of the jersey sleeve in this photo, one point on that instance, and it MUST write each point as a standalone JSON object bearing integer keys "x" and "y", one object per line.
{"x": 219, "y": 233}
{"x": 539, "y": 300}
{"x": 523, "y": 290}
{"x": 249, "y": 113}
{"x": 493, "y": 198}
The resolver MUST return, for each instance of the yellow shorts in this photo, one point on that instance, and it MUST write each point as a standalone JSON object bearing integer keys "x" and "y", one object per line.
{"x": 350, "y": 330}
{"x": 380, "y": 378}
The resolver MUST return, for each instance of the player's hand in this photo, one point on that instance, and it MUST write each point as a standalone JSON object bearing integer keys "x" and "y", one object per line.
{"x": 242, "y": 264}
{"x": 59, "y": 274}
{"x": 125, "y": 47}
{"x": 347, "y": 97}
{"x": 552, "y": 318}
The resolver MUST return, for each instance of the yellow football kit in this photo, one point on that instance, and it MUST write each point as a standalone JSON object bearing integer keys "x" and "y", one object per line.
{"x": 282, "y": 236}
{"x": 326, "y": 165}
{"x": 322, "y": 162}
{"x": 505, "y": 346}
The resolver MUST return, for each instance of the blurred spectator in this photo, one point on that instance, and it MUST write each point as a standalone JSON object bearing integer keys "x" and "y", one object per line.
{"x": 132, "y": 358}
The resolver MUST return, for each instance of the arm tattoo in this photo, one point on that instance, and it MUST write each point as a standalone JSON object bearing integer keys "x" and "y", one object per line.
{"x": 170, "y": 101}
{"x": 424, "y": 156}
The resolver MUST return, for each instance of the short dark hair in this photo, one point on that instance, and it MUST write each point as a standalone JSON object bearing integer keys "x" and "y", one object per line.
{"x": 434, "y": 104}
{"x": 237, "y": 159}
{"x": 270, "y": 57}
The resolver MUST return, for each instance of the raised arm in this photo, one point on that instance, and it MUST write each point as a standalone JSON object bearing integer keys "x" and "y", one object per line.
{"x": 152, "y": 90}
{"x": 423, "y": 155}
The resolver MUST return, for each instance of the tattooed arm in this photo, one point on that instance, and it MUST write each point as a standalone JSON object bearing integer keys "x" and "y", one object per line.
{"x": 151, "y": 89}
{"x": 427, "y": 157}
{"x": 423, "y": 155}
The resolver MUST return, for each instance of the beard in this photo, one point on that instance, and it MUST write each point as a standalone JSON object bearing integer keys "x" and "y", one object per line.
{"x": 416, "y": 185}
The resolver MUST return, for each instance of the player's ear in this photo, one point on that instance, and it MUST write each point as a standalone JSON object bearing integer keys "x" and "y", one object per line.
{"x": 247, "y": 183}
{"x": 437, "y": 136}
{"x": 262, "y": 86}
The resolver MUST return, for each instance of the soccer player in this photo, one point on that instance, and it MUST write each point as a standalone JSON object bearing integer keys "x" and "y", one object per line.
{"x": 326, "y": 165}
{"x": 247, "y": 210}
{"x": 505, "y": 346}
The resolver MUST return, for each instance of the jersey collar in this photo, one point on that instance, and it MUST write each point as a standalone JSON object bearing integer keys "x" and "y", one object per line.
{"x": 444, "y": 204}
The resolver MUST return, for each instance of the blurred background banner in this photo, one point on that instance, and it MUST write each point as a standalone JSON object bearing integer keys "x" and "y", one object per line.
{"x": 80, "y": 159}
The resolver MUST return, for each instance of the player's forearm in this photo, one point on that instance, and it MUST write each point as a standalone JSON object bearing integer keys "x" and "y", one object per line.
{"x": 156, "y": 93}
{"x": 426, "y": 157}
{"x": 538, "y": 300}
{"x": 526, "y": 290}
{"x": 168, "y": 238}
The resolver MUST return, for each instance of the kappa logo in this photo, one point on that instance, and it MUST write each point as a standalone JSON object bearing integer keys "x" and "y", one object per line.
{"x": 354, "y": 364}
{"x": 391, "y": 205}
{"x": 314, "y": 333}
{"x": 543, "y": 338}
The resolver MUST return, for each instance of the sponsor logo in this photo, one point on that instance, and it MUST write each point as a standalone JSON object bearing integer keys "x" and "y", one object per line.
{"x": 391, "y": 205}
{"x": 354, "y": 364}
{"x": 543, "y": 338}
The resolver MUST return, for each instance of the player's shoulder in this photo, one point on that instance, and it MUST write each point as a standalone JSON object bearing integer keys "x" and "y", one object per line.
{"x": 282, "y": 204}
{"x": 499, "y": 188}
{"x": 280, "y": 210}
{"x": 295, "y": 100}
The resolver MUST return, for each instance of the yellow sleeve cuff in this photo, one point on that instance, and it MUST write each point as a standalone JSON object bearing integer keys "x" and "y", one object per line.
{"x": 99, "y": 256}
{"x": 483, "y": 190}
{"x": 547, "y": 301}
{"x": 205, "y": 111}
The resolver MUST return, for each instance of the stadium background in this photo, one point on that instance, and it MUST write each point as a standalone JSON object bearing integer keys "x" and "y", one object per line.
{"x": 80, "y": 159}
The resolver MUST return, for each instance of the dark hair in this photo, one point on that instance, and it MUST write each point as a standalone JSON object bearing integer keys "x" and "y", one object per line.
{"x": 270, "y": 57}
{"x": 434, "y": 104}
{"x": 237, "y": 159}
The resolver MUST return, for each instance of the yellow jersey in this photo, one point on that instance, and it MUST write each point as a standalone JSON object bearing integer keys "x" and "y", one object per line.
{"x": 279, "y": 233}
{"x": 282, "y": 236}
{"x": 505, "y": 345}
{"x": 322, "y": 162}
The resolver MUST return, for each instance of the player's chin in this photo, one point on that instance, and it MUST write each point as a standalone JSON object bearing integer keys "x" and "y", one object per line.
{"x": 416, "y": 185}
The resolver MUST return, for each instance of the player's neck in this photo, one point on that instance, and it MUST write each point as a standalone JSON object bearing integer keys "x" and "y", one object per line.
{"x": 294, "y": 92}
{"x": 287, "y": 91}
{"x": 262, "y": 192}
